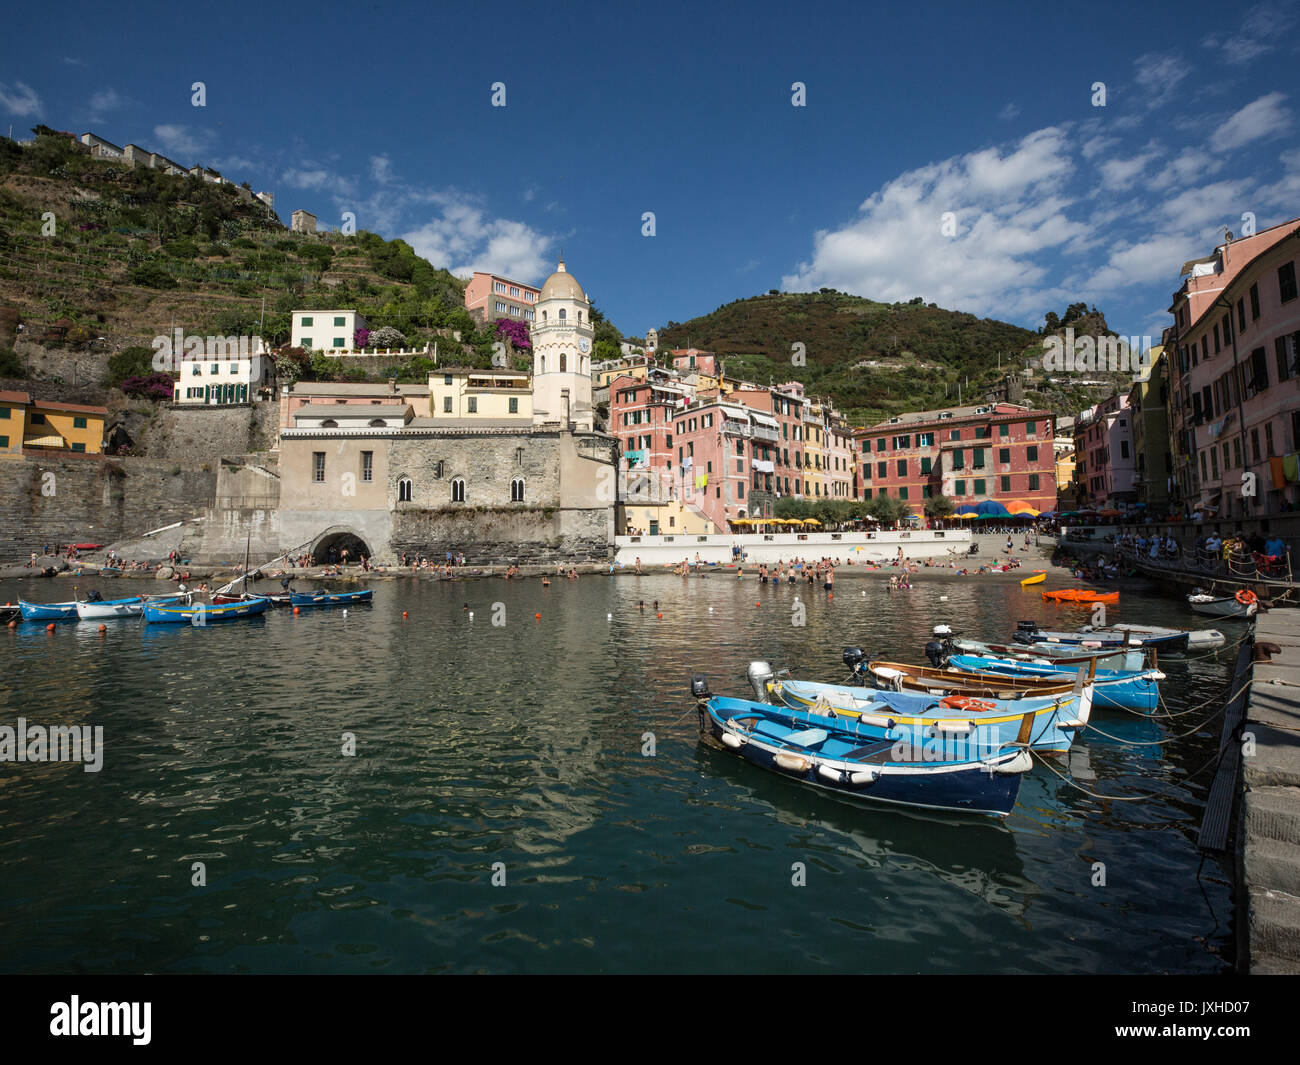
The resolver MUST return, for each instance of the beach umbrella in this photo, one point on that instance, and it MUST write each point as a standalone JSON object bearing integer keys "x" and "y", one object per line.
{"x": 991, "y": 506}
{"x": 1018, "y": 506}
{"x": 811, "y": 521}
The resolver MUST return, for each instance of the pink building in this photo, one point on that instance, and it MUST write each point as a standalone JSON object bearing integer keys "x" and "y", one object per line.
{"x": 692, "y": 360}
{"x": 1105, "y": 468}
{"x": 489, "y": 297}
{"x": 1234, "y": 377}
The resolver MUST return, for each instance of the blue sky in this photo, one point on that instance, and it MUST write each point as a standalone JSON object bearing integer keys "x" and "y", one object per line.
{"x": 613, "y": 110}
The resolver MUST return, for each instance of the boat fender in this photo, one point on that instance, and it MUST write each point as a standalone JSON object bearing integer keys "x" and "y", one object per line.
{"x": 877, "y": 721}
{"x": 793, "y": 762}
{"x": 732, "y": 740}
{"x": 867, "y": 776}
{"x": 833, "y": 775}
{"x": 954, "y": 726}
{"x": 1021, "y": 763}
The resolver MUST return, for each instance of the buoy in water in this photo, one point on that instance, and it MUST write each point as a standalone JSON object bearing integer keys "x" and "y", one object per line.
{"x": 609, "y": 617}
{"x": 49, "y": 627}
{"x": 103, "y": 629}
{"x": 538, "y": 617}
{"x": 943, "y": 598}
{"x": 404, "y": 613}
{"x": 758, "y": 604}
{"x": 659, "y": 615}
{"x": 345, "y": 612}
{"x": 295, "y": 611}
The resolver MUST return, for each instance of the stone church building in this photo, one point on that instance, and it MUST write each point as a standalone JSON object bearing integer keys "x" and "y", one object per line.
{"x": 383, "y": 481}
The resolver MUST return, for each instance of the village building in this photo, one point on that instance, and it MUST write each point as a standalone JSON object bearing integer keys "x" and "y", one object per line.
{"x": 490, "y": 296}
{"x": 225, "y": 377}
{"x": 28, "y": 424}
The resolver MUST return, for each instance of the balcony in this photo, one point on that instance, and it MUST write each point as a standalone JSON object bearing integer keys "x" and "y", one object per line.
{"x": 763, "y": 433}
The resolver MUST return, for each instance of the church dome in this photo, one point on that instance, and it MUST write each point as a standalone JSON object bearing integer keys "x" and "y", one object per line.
{"x": 562, "y": 285}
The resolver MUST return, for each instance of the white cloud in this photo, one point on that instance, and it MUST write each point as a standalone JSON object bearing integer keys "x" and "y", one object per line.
{"x": 21, "y": 100}
{"x": 1158, "y": 77}
{"x": 1207, "y": 208}
{"x": 1094, "y": 146}
{"x": 180, "y": 140}
{"x": 1189, "y": 165}
{"x": 1156, "y": 258}
{"x": 1011, "y": 111}
{"x": 1121, "y": 171}
{"x": 106, "y": 100}
{"x": 1262, "y": 28}
{"x": 1008, "y": 208}
{"x": 381, "y": 169}
{"x": 464, "y": 239}
{"x": 1265, "y": 117}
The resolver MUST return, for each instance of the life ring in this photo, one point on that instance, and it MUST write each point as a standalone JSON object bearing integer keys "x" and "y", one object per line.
{"x": 1246, "y": 597}
{"x": 965, "y": 702}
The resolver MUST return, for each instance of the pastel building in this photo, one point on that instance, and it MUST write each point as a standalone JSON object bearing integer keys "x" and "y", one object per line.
{"x": 28, "y": 424}
{"x": 346, "y": 394}
{"x": 225, "y": 377}
{"x": 1105, "y": 456}
{"x": 1000, "y": 451}
{"x": 466, "y": 394}
{"x": 1234, "y": 379}
{"x": 490, "y": 296}
{"x": 325, "y": 330}
{"x": 1149, "y": 402}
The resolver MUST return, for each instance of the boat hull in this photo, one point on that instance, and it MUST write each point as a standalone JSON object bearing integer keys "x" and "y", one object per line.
{"x": 1130, "y": 661}
{"x": 330, "y": 598}
{"x": 1226, "y": 607}
{"x": 203, "y": 614}
{"x": 1111, "y": 688}
{"x": 856, "y": 767}
{"x": 1045, "y": 724}
{"x": 47, "y": 611}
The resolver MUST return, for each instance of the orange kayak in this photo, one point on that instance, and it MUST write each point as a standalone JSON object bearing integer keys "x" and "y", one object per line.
{"x": 1081, "y": 595}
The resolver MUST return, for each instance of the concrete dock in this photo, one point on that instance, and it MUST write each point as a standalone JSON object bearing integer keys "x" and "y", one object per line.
{"x": 1269, "y": 814}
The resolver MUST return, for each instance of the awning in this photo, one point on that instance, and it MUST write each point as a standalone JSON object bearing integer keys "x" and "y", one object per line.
{"x": 764, "y": 465}
{"x": 764, "y": 419}
{"x": 45, "y": 441}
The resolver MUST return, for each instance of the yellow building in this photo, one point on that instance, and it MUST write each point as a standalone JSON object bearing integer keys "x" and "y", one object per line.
{"x": 480, "y": 395}
{"x": 34, "y": 425}
{"x": 13, "y": 412}
{"x": 661, "y": 519}
{"x": 633, "y": 366}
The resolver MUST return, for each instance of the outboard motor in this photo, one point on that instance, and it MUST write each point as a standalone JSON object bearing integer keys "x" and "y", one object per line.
{"x": 700, "y": 688}
{"x": 940, "y": 647}
{"x": 853, "y": 658}
{"x": 759, "y": 674}
{"x": 1025, "y": 632}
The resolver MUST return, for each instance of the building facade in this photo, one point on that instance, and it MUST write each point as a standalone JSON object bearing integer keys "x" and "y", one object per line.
{"x": 1234, "y": 380}
{"x": 1105, "y": 456}
{"x": 562, "y": 338}
{"x": 328, "y": 331}
{"x": 490, "y": 296}
{"x": 1001, "y": 451}
{"x": 28, "y": 424}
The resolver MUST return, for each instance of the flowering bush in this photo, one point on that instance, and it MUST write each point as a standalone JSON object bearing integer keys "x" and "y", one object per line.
{"x": 156, "y": 387}
{"x": 516, "y": 332}
{"x": 387, "y": 337}
{"x": 361, "y": 338}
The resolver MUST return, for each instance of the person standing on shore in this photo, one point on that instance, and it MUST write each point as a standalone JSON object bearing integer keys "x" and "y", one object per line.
{"x": 638, "y": 565}
{"x": 830, "y": 578}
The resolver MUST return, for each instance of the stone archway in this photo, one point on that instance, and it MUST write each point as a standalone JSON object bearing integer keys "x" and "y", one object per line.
{"x": 339, "y": 539}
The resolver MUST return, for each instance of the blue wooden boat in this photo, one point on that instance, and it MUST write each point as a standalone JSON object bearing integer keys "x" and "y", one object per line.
{"x": 132, "y": 607}
{"x": 1124, "y": 689}
{"x": 847, "y": 759}
{"x": 1044, "y": 723}
{"x": 48, "y": 611}
{"x": 202, "y": 614}
{"x": 329, "y": 598}
{"x": 1135, "y": 660}
{"x": 1166, "y": 642}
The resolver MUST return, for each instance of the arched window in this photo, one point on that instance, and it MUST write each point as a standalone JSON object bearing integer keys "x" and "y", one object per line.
{"x": 329, "y": 423}
{"x": 580, "y": 316}
{"x": 517, "y": 490}
{"x": 377, "y": 423}
{"x": 563, "y": 314}
{"x": 541, "y": 364}
{"x": 543, "y": 316}
{"x": 404, "y": 487}
{"x": 458, "y": 490}
{"x": 519, "y": 456}
{"x": 563, "y": 361}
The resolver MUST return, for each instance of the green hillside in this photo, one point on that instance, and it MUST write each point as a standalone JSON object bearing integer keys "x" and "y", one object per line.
{"x": 874, "y": 359}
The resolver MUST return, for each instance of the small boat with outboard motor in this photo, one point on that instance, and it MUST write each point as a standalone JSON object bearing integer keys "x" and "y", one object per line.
{"x": 945, "y": 643}
{"x": 1166, "y": 641}
{"x": 1046, "y": 723}
{"x": 854, "y": 762}
{"x": 95, "y": 608}
{"x": 1121, "y": 689}
{"x": 1244, "y": 604}
{"x": 202, "y": 614}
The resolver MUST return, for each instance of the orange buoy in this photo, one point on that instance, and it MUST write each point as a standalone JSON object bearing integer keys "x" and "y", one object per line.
{"x": 538, "y": 616}
{"x": 758, "y": 604}
{"x": 13, "y": 624}
{"x": 830, "y": 595}
{"x": 103, "y": 629}
{"x": 49, "y": 627}
{"x": 659, "y": 615}
{"x": 404, "y": 614}
{"x": 295, "y": 610}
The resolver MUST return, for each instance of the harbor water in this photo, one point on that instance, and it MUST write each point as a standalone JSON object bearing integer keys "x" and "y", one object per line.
{"x": 529, "y": 794}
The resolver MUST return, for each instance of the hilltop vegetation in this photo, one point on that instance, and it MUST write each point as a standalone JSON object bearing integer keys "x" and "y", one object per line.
{"x": 872, "y": 359}
{"x": 92, "y": 248}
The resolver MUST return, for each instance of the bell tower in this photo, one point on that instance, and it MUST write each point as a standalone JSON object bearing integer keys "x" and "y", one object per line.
{"x": 562, "y": 337}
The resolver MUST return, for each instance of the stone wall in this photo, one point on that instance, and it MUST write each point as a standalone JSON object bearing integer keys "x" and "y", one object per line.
{"x": 69, "y": 499}
{"x": 501, "y": 535}
{"x": 196, "y": 433}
